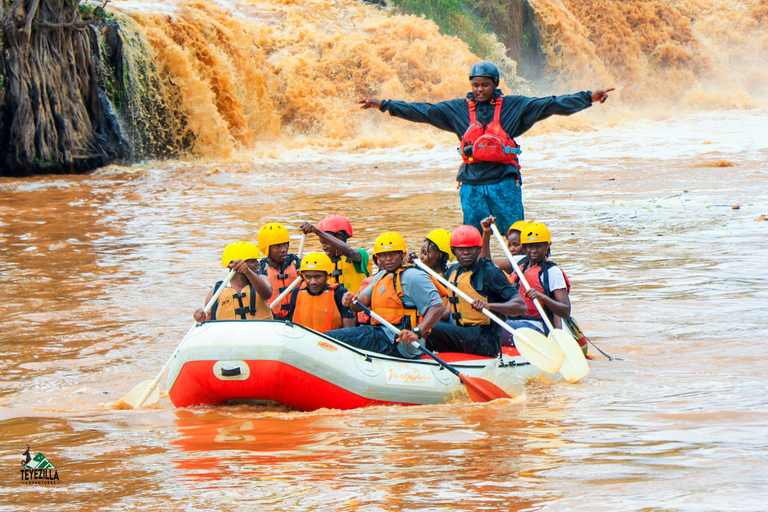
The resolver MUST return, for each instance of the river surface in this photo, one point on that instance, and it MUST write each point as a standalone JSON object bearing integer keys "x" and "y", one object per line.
{"x": 100, "y": 275}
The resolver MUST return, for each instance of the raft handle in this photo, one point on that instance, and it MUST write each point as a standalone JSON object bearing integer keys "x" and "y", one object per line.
{"x": 225, "y": 372}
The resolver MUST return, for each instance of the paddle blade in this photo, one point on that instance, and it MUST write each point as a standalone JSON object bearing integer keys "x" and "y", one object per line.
{"x": 132, "y": 398}
{"x": 539, "y": 350}
{"x": 481, "y": 390}
{"x": 575, "y": 365}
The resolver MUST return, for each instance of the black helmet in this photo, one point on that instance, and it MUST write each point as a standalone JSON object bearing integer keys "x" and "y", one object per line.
{"x": 485, "y": 69}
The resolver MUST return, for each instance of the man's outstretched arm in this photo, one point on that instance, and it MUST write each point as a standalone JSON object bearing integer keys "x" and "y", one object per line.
{"x": 537, "y": 109}
{"x": 445, "y": 115}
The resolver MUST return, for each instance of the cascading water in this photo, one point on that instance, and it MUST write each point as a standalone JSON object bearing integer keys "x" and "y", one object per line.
{"x": 255, "y": 76}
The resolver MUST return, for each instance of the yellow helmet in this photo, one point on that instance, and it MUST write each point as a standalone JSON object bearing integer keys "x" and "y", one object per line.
{"x": 442, "y": 239}
{"x": 317, "y": 261}
{"x": 272, "y": 234}
{"x": 534, "y": 233}
{"x": 239, "y": 251}
{"x": 518, "y": 226}
{"x": 388, "y": 242}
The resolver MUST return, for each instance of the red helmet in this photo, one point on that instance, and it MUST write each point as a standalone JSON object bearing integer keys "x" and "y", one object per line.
{"x": 334, "y": 224}
{"x": 466, "y": 236}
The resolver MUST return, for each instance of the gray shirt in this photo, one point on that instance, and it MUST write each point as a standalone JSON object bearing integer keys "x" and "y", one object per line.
{"x": 418, "y": 291}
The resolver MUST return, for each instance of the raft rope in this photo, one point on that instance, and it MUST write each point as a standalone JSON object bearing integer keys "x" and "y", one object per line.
{"x": 598, "y": 349}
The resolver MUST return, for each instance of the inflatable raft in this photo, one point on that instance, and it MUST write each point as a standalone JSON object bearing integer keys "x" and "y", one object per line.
{"x": 274, "y": 361}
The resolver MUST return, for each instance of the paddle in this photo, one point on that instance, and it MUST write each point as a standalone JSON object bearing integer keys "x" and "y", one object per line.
{"x": 285, "y": 292}
{"x": 136, "y": 397}
{"x": 301, "y": 245}
{"x": 479, "y": 390}
{"x": 575, "y": 365}
{"x": 532, "y": 345}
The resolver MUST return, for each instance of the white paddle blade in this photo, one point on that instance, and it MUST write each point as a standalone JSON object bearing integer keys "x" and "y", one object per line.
{"x": 538, "y": 350}
{"x": 136, "y": 393}
{"x": 575, "y": 366}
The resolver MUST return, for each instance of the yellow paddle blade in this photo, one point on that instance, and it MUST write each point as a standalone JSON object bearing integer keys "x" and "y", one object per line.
{"x": 538, "y": 350}
{"x": 575, "y": 366}
{"x": 132, "y": 398}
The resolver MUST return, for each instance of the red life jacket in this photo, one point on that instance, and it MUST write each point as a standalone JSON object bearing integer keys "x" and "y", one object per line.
{"x": 535, "y": 280}
{"x": 317, "y": 312}
{"x": 535, "y": 275}
{"x": 488, "y": 143}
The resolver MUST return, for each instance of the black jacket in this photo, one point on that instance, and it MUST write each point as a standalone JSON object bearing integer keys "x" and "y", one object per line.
{"x": 518, "y": 115}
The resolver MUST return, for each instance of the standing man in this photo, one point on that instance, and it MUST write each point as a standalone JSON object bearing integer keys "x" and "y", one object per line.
{"x": 487, "y": 122}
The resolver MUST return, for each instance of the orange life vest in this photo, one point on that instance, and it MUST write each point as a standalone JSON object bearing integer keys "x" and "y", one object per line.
{"x": 362, "y": 316}
{"x": 386, "y": 300}
{"x": 317, "y": 312}
{"x": 461, "y": 311}
{"x": 442, "y": 290}
{"x": 280, "y": 281}
{"x": 243, "y": 305}
{"x": 488, "y": 143}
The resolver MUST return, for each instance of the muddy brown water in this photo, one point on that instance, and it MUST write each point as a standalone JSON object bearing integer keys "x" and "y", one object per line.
{"x": 100, "y": 274}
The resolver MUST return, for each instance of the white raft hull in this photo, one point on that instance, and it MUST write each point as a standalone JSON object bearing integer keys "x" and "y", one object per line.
{"x": 274, "y": 361}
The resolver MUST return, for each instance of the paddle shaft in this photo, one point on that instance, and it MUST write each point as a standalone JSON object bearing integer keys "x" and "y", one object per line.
{"x": 469, "y": 299}
{"x": 301, "y": 245}
{"x": 285, "y": 292}
{"x": 167, "y": 364}
{"x": 397, "y": 331}
{"x": 520, "y": 276}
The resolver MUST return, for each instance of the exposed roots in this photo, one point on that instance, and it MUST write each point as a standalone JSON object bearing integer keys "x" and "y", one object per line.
{"x": 55, "y": 117}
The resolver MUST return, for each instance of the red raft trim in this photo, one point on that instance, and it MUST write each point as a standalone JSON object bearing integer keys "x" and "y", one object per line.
{"x": 458, "y": 357}
{"x": 196, "y": 384}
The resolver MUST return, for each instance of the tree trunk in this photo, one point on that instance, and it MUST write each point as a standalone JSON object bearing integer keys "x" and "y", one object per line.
{"x": 54, "y": 116}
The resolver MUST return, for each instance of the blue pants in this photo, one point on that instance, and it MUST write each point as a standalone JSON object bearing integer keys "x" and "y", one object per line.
{"x": 373, "y": 338}
{"x": 503, "y": 200}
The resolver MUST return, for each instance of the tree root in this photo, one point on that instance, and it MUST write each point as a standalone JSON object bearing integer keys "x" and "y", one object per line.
{"x": 54, "y": 117}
